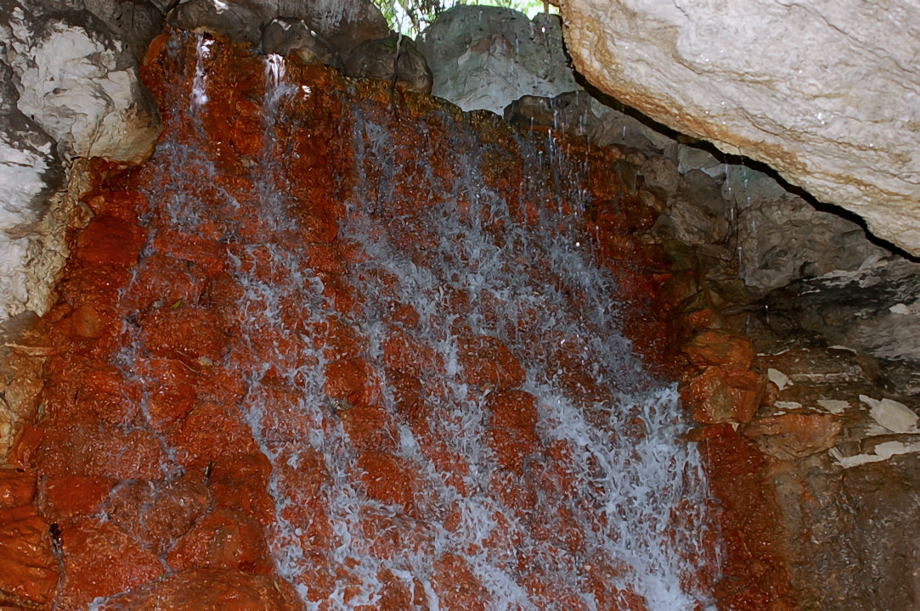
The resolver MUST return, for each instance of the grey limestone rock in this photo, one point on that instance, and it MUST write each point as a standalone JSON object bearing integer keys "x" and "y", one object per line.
{"x": 379, "y": 59}
{"x": 485, "y": 57}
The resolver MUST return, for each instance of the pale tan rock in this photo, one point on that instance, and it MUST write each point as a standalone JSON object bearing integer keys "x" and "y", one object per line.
{"x": 893, "y": 415}
{"x": 779, "y": 378}
{"x": 834, "y": 406}
{"x": 825, "y": 92}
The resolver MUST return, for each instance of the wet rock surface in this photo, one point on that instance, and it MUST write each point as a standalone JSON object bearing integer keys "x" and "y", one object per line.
{"x": 808, "y": 433}
{"x": 237, "y": 398}
{"x": 873, "y": 310}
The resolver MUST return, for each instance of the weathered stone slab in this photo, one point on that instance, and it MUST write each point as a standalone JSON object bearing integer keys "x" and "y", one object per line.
{"x": 825, "y": 92}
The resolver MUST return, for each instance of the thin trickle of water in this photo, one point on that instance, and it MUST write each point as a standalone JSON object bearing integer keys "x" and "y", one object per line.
{"x": 199, "y": 96}
{"x": 618, "y": 497}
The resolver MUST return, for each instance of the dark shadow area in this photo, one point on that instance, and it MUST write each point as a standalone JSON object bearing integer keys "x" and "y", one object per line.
{"x": 752, "y": 164}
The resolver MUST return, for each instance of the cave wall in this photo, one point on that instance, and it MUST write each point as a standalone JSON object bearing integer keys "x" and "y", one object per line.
{"x": 827, "y": 93}
{"x": 815, "y": 435}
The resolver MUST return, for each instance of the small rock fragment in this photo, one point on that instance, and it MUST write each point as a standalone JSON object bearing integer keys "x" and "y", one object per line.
{"x": 893, "y": 415}
{"x": 834, "y": 406}
{"x": 779, "y": 378}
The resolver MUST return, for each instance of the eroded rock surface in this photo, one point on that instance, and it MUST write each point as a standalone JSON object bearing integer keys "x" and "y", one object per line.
{"x": 78, "y": 83}
{"x": 837, "y": 112}
{"x": 873, "y": 310}
{"x": 70, "y": 90}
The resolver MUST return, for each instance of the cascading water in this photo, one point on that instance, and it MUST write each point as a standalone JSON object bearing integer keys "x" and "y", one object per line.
{"x": 407, "y": 312}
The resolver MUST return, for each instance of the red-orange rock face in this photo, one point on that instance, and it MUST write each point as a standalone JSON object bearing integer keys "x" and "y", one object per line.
{"x": 336, "y": 346}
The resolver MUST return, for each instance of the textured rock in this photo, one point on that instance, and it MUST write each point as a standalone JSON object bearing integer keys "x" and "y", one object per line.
{"x": 717, "y": 347}
{"x": 875, "y": 309}
{"x": 134, "y": 23}
{"x": 284, "y": 36}
{"x": 782, "y": 238}
{"x": 849, "y": 533}
{"x": 720, "y": 394}
{"x": 209, "y": 589}
{"x": 836, "y": 112}
{"x": 28, "y": 570}
{"x": 69, "y": 89}
{"x": 696, "y": 213}
{"x": 380, "y": 58}
{"x": 79, "y": 84}
{"x": 342, "y": 23}
{"x": 485, "y": 57}
{"x": 793, "y": 436}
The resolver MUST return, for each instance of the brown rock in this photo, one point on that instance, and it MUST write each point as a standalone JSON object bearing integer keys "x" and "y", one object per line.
{"x": 108, "y": 240}
{"x": 158, "y": 515}
{"x": 95, "y": 449}
{"x": 346, "y": 378}
{"x": 86, "y": 322}
{"x": 210, "y": 430}
{"x": 240, "y": 481}
{"x": 101, "y": 560}
{"x": 28, "y": 570}
{"x": 210, "y": 589}
{"x": 184, "y": 332}
{"x": 224, "y": 539}
{"x": 454, "y": 581}
{"x": 368, "y": 428}
{"x": 173, "y": 392}
{"x": 513, "y": 436}
{"x": 716, "y": 347}
{"x": 388, "y": 479}
{"x": 719, "y": 394}
{"x": 74, "y": 496}
{"x": 16, "y": 488}
{"x": 792, "y": 436}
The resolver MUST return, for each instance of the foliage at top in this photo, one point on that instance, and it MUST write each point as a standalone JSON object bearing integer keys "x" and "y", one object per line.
{"x": 412, "y": 16}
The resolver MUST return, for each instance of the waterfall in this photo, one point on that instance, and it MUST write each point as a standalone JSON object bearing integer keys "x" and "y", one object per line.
{"x": 431, "y": 355}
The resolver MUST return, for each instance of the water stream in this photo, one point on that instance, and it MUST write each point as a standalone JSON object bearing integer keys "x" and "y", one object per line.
{"x": 485, "y": 431}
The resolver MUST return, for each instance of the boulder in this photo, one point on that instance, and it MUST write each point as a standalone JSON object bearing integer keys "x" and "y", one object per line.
{"x": 834, "y": 108}
{"x": 379, "y": 59}
{"x": 133, "y": 22}
{"x": 485, "y": 57}
{"x": 29, "y": 172}
{"x": 80, "y": 85}
{"x": 68, "y": 89}
{"x": 794, "y": 436}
